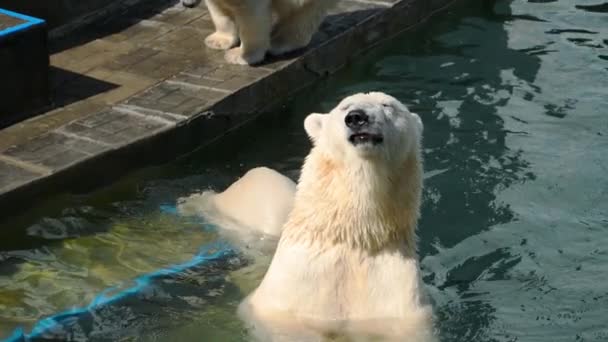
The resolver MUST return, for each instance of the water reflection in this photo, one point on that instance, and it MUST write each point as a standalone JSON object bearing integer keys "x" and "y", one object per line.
{"x": 599, "y": 8}
{"x": 459, "y": 92}
{"x": 457, "y": 83}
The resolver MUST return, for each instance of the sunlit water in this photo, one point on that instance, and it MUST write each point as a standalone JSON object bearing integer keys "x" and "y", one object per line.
{"x": 514, "y": 229}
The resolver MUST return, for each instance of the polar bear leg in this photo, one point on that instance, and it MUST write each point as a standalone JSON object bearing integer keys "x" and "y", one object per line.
{"x": 295, "y": 29}
{"x": 225, "y": 35}
{"x": 254, "y": 22}
{"x": 260, "y": 200}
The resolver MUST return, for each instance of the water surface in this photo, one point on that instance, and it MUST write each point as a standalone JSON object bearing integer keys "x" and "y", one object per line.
{"x": 514, "y": 228}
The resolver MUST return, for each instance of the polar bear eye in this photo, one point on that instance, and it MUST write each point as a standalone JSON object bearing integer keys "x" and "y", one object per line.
{"x": 388, "y": 107}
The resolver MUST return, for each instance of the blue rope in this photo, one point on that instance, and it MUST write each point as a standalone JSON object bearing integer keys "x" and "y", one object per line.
{"x": 213, "y": 251}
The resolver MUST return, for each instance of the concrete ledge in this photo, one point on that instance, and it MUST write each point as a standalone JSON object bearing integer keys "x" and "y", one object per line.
{"x": 191, "y": 108}
{"x": 24, "y": 66}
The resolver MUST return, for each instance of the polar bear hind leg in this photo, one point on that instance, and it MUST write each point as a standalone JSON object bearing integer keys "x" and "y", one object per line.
{"x": 254, "y": 22}
{"x": 226, "y": 34}
{"x": 259, "y": 203}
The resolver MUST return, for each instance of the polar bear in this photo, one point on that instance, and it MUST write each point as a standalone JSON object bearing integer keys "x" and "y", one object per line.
{"x": 346, "y": 262}
{"x": 251, "y": 23}
{"x": 257, "y": 203}
{"x": 250, "y": 214}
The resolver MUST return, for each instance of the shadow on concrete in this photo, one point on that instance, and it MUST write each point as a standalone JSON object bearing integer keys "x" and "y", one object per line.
{"x": 68, "y": 87}
{"x": 333, "y": 25}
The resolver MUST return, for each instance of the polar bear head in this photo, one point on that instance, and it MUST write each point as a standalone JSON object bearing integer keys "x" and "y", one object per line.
{"x": 363, "y": 176}
{"x": 366, "y": 125}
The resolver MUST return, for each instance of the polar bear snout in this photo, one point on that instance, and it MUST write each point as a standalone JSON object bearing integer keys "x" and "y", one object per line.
{"x": 358, "y": 122}
{"x": 356, "y": 119}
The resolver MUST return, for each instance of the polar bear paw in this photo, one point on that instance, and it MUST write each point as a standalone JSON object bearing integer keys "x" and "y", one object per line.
{"x": 237, "y": 56}
{"x": 221, "y": 41}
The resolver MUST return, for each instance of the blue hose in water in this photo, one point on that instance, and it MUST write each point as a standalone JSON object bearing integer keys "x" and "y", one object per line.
{"x": 213, "y": 251}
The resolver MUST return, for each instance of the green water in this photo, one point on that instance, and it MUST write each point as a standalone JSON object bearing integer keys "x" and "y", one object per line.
{"x": 514, "y": 228}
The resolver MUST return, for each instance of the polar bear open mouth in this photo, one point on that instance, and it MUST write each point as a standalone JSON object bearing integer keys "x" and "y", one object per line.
{"x": 365, "y": 138}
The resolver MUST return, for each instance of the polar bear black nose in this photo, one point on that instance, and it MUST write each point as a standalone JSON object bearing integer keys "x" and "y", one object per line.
{"x": 356, "y": 119}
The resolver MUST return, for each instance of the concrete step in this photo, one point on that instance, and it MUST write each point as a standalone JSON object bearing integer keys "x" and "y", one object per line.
{"x": 140, "y": 88}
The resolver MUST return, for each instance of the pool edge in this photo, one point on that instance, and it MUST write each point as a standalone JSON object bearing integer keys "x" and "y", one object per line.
{"x": 172, "y": 138}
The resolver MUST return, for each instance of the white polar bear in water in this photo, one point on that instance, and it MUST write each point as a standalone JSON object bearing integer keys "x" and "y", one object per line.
{"x": 251, "y": 213}
{"x": 346, "y": 262}
{"x": 259, "y": 202}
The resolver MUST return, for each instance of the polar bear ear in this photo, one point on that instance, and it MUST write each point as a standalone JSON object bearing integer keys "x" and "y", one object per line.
{"x": 313, "y": 125}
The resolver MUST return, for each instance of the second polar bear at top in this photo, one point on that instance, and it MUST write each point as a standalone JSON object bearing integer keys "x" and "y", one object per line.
{"x": 250, "y": 22}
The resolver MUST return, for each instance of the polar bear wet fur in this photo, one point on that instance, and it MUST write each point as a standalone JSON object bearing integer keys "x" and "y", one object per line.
{"x": 346, "y": 261}
{"x": 258, "y": 202}
{"x": 250, "y": 22}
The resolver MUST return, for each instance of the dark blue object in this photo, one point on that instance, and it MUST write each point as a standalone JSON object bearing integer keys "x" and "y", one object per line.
{"x": 29, "y": 21}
